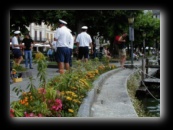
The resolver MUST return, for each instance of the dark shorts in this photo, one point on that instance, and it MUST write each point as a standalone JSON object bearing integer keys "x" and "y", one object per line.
{"x": 17, "y": 53}
{"x": 62, "y": 54}
{"x": 83, "y": 52}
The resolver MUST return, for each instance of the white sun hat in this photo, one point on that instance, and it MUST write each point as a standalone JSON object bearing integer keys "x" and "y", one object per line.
{"x": 62, "y": 21}
{"x": 84, "y": 27}
{"x": 16, "y": 32}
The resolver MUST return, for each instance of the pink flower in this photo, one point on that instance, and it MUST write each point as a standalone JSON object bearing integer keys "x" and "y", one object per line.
{"x": 40, "y": 115}
{"x": 31, "y": 114}
{"x": 57, "y": 105}
{"x": 26, "y": 114}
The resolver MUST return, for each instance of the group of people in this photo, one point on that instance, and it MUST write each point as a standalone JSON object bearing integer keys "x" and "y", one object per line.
{"x": 64, "y": 45}
{"x": 17, "y": 46}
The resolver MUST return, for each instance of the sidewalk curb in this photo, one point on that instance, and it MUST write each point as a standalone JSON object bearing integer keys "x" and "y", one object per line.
{"x": 86, "y": 106}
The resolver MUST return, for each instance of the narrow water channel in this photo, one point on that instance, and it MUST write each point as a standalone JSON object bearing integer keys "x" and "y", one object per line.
{"x": 152, "y": 106}
{"x": 151, "y": 101}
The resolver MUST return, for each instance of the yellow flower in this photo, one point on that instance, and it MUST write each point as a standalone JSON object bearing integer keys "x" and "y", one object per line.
{"x": 70, "y": 110}
{"x": 69, "y": 98}
{"x": 39, "y": 56}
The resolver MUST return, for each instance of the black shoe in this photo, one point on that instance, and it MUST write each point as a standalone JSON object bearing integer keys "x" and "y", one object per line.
{"x": 31, "y": 68}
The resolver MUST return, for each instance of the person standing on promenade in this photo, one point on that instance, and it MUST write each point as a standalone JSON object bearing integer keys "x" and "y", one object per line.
{"x": 106, "y": 52}
{"x": 62, "y": 36}
{"x": 83, "y": 41}
{"x": 16, "y": 48}
{"x": 28, "y": 50}
{"x": 71, "y": 45}
{"x": 50, "y": 54}
{"x": 121, "y": 42}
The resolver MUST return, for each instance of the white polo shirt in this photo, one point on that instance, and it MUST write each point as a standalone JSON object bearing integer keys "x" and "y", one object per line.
{"x": 63, "y": 35}
{"x": 15, "y": 42}
{"x": 54, "y": 45}
{"x": 71, "y": 44}
{"x": 84, "y": 39}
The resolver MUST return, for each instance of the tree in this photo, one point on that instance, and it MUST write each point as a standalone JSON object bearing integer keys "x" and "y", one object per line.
{"x": 146, "y": 23}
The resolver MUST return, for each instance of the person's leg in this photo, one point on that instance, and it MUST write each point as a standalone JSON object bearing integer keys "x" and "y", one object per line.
{"x": 123, "y": 57}
{"x": 67, "y": 58}
{"x": 20, "y": 59}
{"x": 86, "y": 54}
{"x": 61, "y": 58}
{"x": 80, "y": 54}
{"x": 61, "y": 67}
{"x": 123, "y": 61}
{"x": 120, "y": 57}
{"x": 26, "y": 59}
{"x": 70, "y": 58}
{"x": 30, "y": 59}
{"x": 57, "y": 59}
{"x": 19, "y": 56}
{"x": 16, "y": 60}
{"x": 15, "y": 56}
{"x": 50, "y": 57}
{"x": 67, "y": 66}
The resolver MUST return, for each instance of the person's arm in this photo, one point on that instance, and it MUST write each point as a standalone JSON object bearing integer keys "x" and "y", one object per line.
{"x": 121, "y": 39}
{"x": 77, "y": 44}
{"x": 50, "y": 44}
{"x": 91, "y": 45}
{"x": 33, "y": 42}
{"x": 15, "y": 43}
{"x": 77, "y": 47}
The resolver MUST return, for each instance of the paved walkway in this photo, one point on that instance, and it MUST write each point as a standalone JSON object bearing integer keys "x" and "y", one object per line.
{"x": 109, "y": 96}
{"x": 113, "y": 100}
{"x": 51, "y": 72}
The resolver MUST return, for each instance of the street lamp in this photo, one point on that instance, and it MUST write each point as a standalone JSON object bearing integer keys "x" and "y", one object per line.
{"x": 156, "y": 46}
{"x": 144, "y": 36}
{"x": 131, "y": 36}
{"x": 143, "y": 56}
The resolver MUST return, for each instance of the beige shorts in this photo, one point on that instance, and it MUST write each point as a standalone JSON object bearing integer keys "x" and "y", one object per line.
{"x": 122, "y": 52}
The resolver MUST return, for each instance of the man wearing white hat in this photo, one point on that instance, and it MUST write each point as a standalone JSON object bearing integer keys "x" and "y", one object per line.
{"x": 71, "y": 44}
{"x": 62, "y": 36}
{"x": 83, "y": 41}
{"x": 16, "y": 48}
{"x": 62, "y": 22}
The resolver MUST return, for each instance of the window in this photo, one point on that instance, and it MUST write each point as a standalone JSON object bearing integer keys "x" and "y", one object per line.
{"x": 40, "y": 36}
{"x": 35, "y": 35}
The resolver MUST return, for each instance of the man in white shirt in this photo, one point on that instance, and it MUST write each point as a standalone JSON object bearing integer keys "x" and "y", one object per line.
{"x": 53, "y": 46}
{"x": 71, "y": 44}
{"x": 83, "y": 41}
{"x": 16, "y": 48}
{"x": 62, "y": 36}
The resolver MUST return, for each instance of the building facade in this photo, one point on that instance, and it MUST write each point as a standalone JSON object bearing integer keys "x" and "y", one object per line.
{"x": 156, "y": 14}
{"x": 41, "y": 33}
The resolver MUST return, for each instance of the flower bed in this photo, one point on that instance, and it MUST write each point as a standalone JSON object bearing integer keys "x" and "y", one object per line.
{"x": 62, "y": 95}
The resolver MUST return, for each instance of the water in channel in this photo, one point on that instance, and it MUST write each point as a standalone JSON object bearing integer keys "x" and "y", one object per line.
{"x": 151, "y": 101}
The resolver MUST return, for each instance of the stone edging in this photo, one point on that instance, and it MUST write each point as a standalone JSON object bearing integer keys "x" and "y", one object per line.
{"x": 85, "y": 108}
